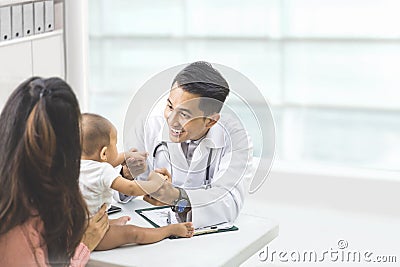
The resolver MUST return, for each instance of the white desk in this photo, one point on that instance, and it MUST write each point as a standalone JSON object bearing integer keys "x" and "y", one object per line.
{"x": 218, "y": 249}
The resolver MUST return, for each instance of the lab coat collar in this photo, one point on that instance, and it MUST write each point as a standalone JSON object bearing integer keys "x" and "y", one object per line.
{"x": 215, "y": 138}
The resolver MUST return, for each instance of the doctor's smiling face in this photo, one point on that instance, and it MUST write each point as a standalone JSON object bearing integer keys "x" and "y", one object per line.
{"x": 194, "y": 102}
{"x": 186, "y": 121}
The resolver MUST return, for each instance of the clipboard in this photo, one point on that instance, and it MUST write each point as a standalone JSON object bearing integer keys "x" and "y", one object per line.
{"x": 197, "y": 232}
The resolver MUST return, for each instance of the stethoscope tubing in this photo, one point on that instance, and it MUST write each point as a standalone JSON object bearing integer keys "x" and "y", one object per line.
{"x": 207, "y": 181}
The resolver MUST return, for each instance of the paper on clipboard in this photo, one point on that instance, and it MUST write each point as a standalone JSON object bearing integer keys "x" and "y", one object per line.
{"x": 160, "y": 216}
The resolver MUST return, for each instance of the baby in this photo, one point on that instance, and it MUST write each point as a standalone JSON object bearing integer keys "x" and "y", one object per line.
{"x": 98, "y": 178}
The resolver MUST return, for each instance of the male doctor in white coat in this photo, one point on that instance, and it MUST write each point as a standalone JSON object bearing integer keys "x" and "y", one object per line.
{"x": 207, "y": 154}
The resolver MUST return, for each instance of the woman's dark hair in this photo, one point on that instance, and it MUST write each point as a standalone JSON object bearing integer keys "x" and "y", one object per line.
{"x": 39, "y": 164}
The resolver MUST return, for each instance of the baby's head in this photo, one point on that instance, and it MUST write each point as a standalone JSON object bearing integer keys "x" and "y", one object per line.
{"x": 99, "y": 139}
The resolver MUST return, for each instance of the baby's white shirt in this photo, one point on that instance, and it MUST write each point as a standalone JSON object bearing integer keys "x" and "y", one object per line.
{"x": 95, "y": 181}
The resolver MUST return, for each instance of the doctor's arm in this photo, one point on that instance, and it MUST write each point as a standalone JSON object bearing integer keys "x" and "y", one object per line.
{"x": 223, "y": 201}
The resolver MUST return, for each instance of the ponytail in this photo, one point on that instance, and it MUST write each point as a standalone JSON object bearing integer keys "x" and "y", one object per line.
{"x": 39, "y": 138}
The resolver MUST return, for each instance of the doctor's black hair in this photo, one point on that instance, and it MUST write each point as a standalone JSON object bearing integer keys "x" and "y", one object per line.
{"x": 200, "y": 78}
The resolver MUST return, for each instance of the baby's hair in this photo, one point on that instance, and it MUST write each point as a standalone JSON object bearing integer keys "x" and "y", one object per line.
{"x": 95, "y": 133}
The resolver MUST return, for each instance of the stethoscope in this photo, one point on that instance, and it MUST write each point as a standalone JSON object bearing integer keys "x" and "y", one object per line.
{"x": 207, "y": 181}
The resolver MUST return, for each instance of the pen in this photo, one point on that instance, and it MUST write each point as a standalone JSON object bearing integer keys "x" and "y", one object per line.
{"x": 169, "y": 217}
{"x": 207, "y": 230}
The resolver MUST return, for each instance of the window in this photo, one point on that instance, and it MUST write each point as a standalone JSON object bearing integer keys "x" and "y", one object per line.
{"x": 330, "y": 69}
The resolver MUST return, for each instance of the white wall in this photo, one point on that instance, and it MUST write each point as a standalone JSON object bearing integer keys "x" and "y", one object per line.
{"x": 36, "y": 55}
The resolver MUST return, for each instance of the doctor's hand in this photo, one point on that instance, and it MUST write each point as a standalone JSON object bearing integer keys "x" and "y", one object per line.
{"x": 154, "y": 182}
{"x": 164, "y": 172}
{"x": 165, "y": 195}
{"x": 135, "y": 163}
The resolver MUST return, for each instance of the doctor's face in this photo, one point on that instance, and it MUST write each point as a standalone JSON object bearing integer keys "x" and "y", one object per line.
{"x": 186, "y": 121}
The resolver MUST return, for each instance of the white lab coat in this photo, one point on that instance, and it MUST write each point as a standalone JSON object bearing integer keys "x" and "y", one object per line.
{"x": 231, "y": 164}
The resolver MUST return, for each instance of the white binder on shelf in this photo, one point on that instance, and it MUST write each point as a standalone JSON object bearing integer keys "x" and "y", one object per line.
{"x": 5, "y": 23}
{"x": 16, "y": 21}
{"x": 49, "y": 15}
{"x": 38, "y": 17}
{"x": 27, "y": 10}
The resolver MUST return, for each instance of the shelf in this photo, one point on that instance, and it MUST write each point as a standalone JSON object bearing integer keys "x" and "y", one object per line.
{"x": 31, "y": 38}
{"x": 15, "y": 2}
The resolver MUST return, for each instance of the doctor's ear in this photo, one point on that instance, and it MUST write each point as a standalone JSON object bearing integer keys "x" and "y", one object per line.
{"x": 103, "y": 153}
{"x": 212, "y": 120}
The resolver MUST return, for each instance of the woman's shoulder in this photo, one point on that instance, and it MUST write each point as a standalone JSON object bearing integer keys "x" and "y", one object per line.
{"x": 24, "y": 244}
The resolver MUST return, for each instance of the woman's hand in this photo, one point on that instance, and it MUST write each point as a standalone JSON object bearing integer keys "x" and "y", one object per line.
{"x": 97, "y": 228}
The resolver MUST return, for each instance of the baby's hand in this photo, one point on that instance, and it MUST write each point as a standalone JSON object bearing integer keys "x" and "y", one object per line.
{"x": 136, "y": 162}
{"x": 136, "y": 155}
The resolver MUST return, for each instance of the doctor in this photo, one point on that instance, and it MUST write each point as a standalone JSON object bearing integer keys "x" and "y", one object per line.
{"x": 207, "y": 154}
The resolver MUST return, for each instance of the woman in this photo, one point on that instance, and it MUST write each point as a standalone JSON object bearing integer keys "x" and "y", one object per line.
{"x": 42, "y": 213}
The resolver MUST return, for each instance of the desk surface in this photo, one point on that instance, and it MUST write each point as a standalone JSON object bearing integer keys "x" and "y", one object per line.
{"x": 219, "y": 249}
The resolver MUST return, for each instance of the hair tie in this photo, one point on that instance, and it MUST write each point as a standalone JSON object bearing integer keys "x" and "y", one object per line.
{"x": 39, "y": 84}
{"x": 44, "y": 91}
